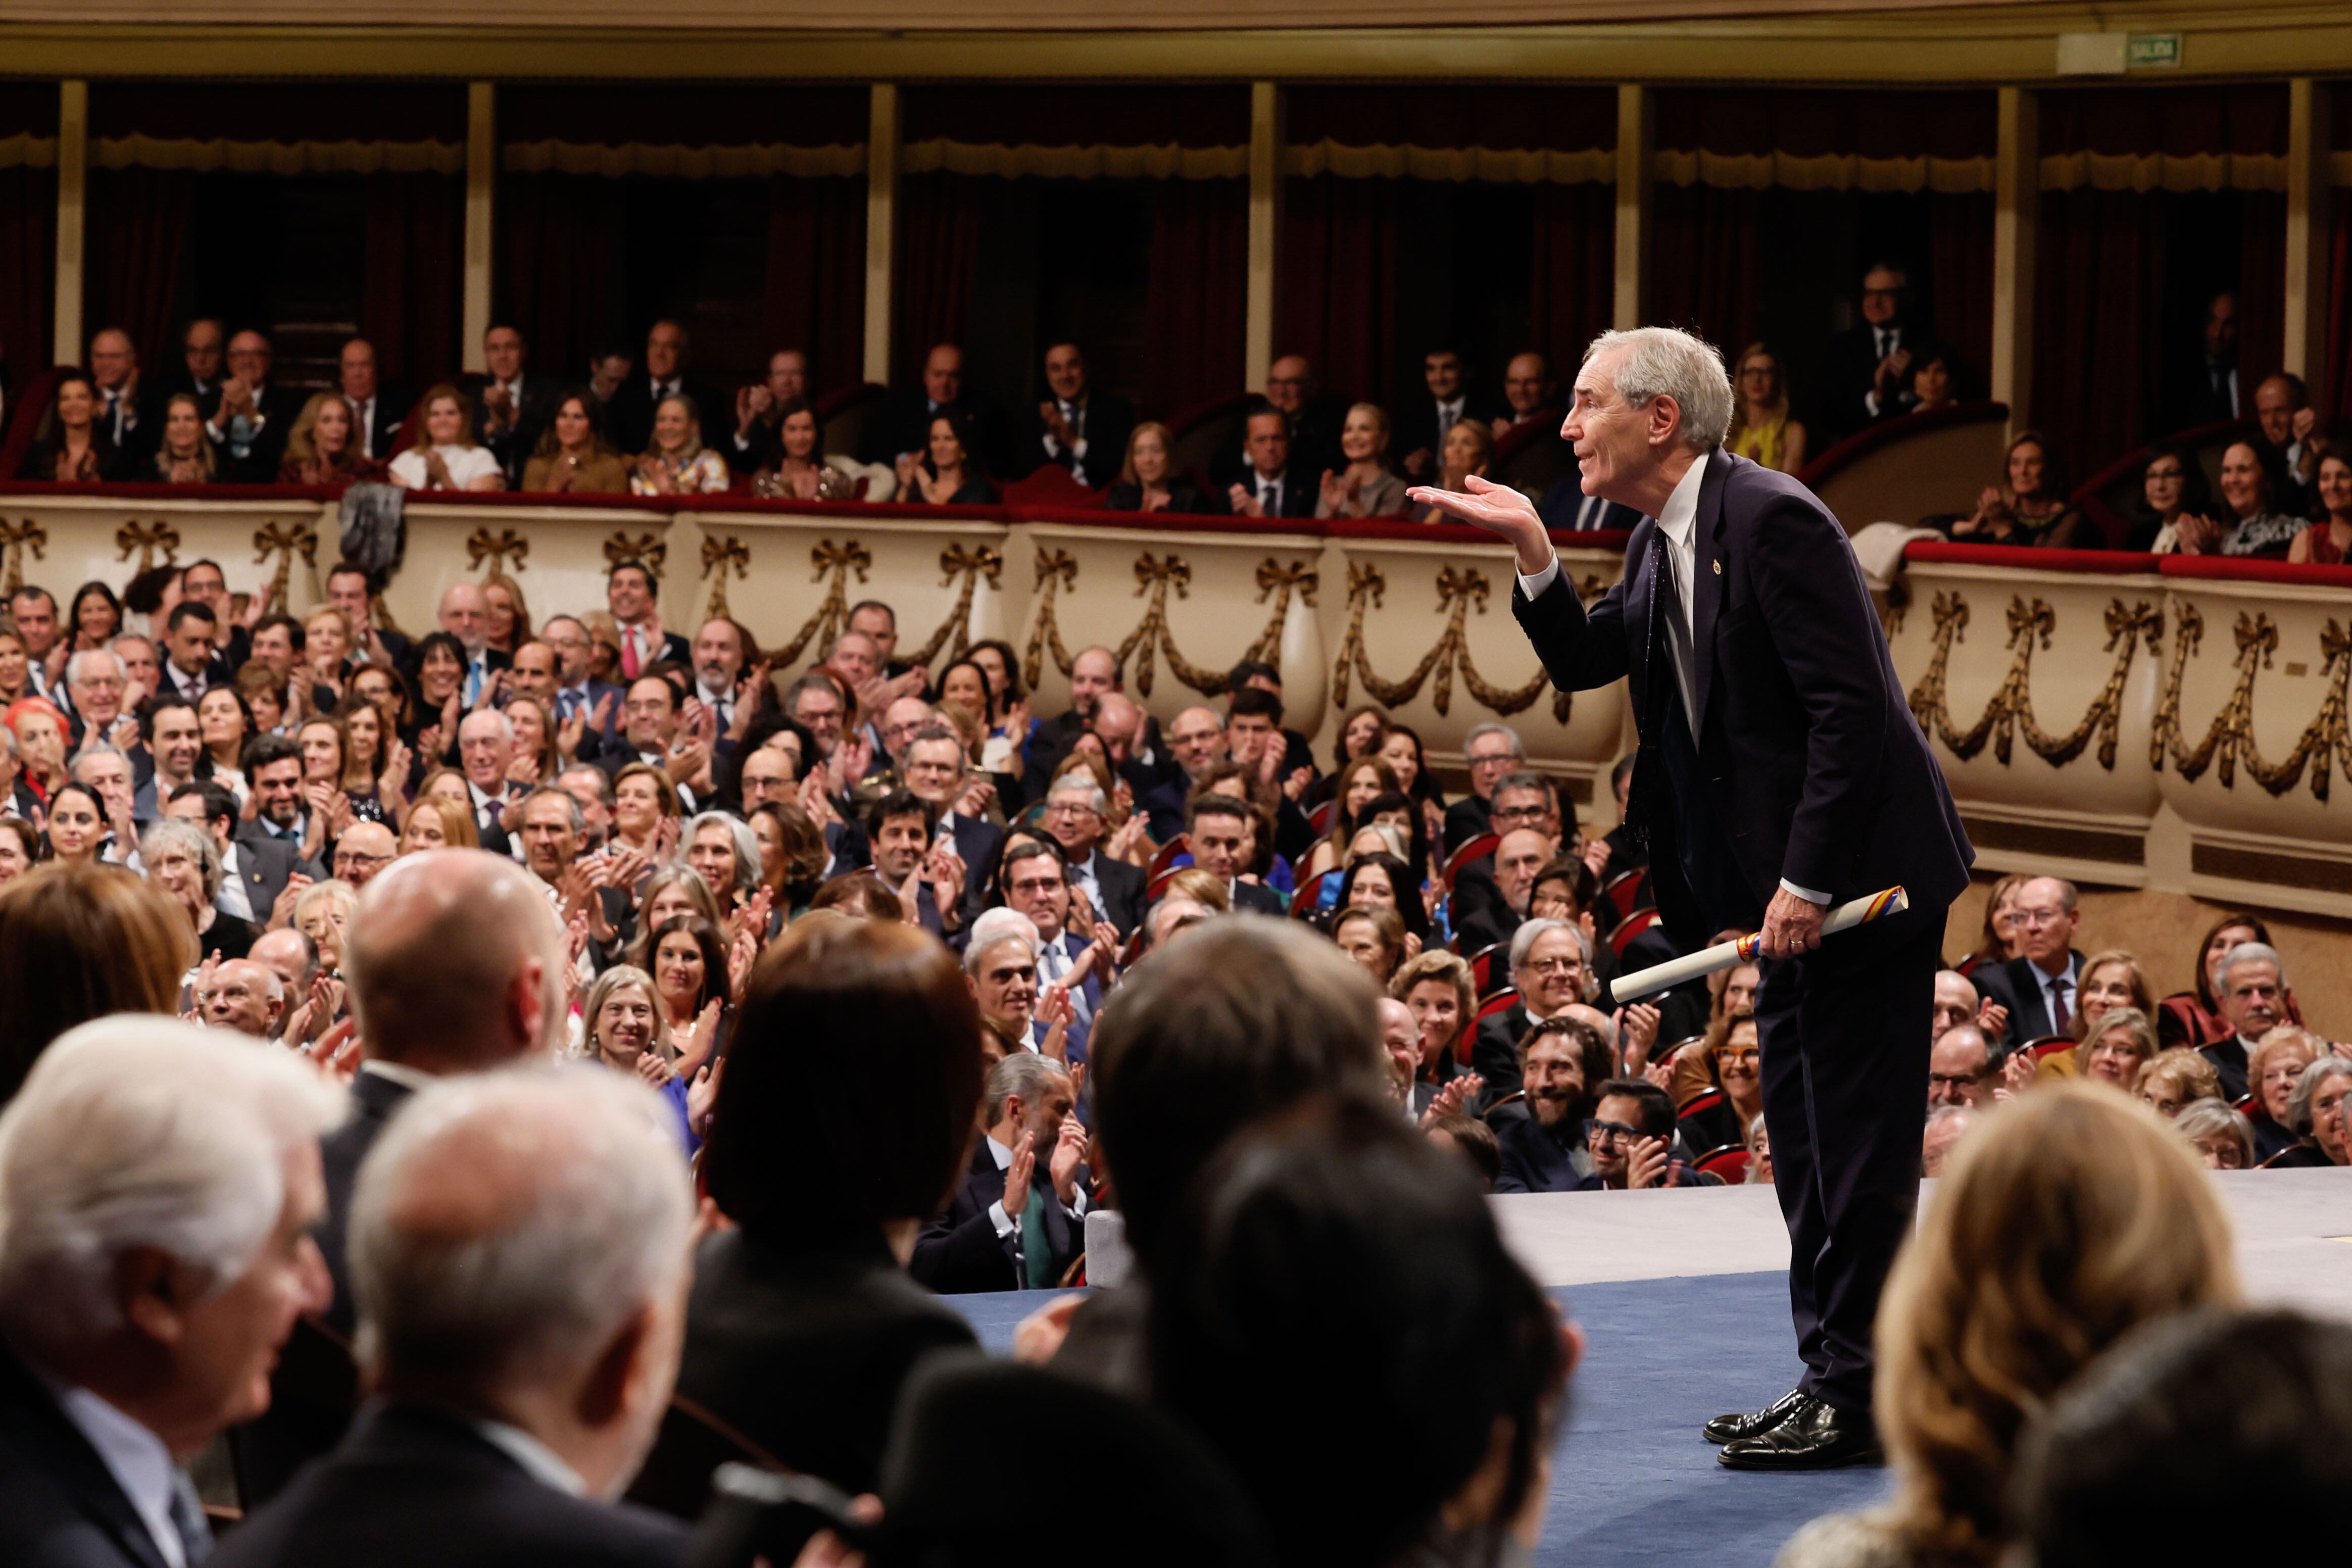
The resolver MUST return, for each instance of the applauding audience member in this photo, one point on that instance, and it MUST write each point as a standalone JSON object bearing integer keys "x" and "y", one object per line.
{"x": 444, "y": 456}
{"x": 1365, "y": 487}
{"x": 573, "y": 456}
{"x": 1148, "y": 480}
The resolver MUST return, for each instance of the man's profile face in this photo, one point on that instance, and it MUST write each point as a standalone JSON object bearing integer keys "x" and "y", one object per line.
{"x": 230, "y": 1339}
{"x": 1955, "y": 1001}
{"x": 1611, "y": 437}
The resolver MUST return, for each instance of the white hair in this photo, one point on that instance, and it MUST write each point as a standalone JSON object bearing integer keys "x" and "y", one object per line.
{"x": 740, "y": 838}
{"x": 1523, "y": 940}
{"x": 173, "y": 832}
{"x": 1000, "y": 925}
{"x": 134, "y": 1131}
{"x": 1666, "y": 361}
{"x": 1077, "y": 782}
{"x": 505, "y": 724}
{"x": 1480, "y": 732}
{"x": 2248, "y": 952}
{"x": 588, "y": 1224}
{"x": 80, "y": 661}
{"x": 100, "y": 746}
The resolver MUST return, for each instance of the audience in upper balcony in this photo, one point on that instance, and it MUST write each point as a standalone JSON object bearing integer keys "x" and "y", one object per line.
{"x": 1531, "y": 395}
{"x": 950, "y": 472}
{"x": 252, "y": 417}
{"x": 1365, "y": 487}
{"x": 1761, "y": 427}
{"x": 445, "y": 456}
{"x": 182, "y": 456}
{"x": 126, "y": 412}
{"x": 512, "y": 405}
{"x": 1148, "y": 480}
{"x": 760, "y": 411}
{"x": 608, "y": 368}
{"x": 321, "y": 449}
{"x": 69, "y": 446}
{"x": 1079, "y": 426}
{"x": 1271, "y": 484}
{"x": 2328, "y": 541}
{"x": 1870, "y": 365}
{"x": 573, "y": 456}
{"x": 1469, "y": 450}
{"x": 629, "y": 417}
{"x": 901, "y": 437}
{"x": 1932, "y": 385}
{"x": 1311, "y": 421}
{"x": 2030, "y": 506}
{"x": 377, "y": 412}
{"x": 2207, "y": 394}
{"x": 1451, "y": 399}
{"x": 199, "y": 371}
{"x": 2172, "y": 488}
{"x": 2248, "y": 522}
{"x": 2289, "y": 440}
{"x": 676, "y": 462}
{"x": 796, "y": 469}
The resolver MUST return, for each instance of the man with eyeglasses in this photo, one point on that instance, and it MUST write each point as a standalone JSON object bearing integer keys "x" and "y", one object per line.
{"x": 1076, "y": 815}
{"x": 1494, "y": 752}
{"x": 1559, "y": 1061}
{"x": 937, "y": 773}
{"x": 1491, "y": 898}
{"x": 577, "y": 692}
{"x": 2039, "y": 988}
{"x": 1553, "y": 973}
{"x": 1630, "y": 1137}
{"x": 1037, "y": 886}
{"x": 364, "y": 850}
{"x": 1963, "y": 1068}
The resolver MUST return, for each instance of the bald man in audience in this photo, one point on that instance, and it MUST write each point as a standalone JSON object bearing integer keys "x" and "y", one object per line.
{"x": 1962, "y": 1068}
{"x": 519, "y": 1247}
{"x": 364, "y": 850}
{"x": 457, "y": 964}
{"x": 465, "y": 614}
{"x": 244, "y": 996}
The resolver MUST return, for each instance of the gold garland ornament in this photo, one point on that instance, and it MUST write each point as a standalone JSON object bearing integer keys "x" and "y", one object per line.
{"x": 837, "y": 562}
{"x": 647, "y": 548}
{"x": 1457, "y": 591}
{"x": 285, "y": 540}
{"x": 2328, "y": 740}
{"x": 2010, "y": 713}
{"x": 956, "y": 563}
{"x": 147, "y": 538}
{"x": 717, "y": 555}
{"x": 497, "y": 548}
{"x": 1056, "y": 572}
{"x": 15, "y": 538}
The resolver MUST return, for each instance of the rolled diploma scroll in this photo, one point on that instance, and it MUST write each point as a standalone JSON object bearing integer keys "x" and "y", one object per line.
{"x": 1723, "y": 955}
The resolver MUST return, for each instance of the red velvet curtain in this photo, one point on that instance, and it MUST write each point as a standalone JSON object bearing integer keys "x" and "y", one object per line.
{"x": 1336, "y": 298}
{"x": 2333, "y": 398}
{"x": 1572, "y": 280}
{"x": 1197, "y": 294}
{"x": 1707, "y": 262}
{"x": 1959, "y": 265}
{"x": 2262, "y": 290}
{"x": 2097, "y": 322}
{"x": 28, "y": 272}
{"x": 557, "y": 237}
{"x": 137, "y": 231}
{"x": 412, "y": 285}
{"x": 814, "y": 298}
{"x": 939, "y": 217}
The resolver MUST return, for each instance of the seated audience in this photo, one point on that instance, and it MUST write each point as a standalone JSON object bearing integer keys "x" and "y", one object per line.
{"x": 1738, "y": 1062}
{"x": 1561, "y": 1062}
{"x": 2066, "y": 1220}
{"x": 1531, "y": 395}
{"x": 2040, "y": 989}
{"x": 1761, "y": 427}
{"x": 1552, "y": 971}
{"x": 1079, "y": 426}
{"x": 1268, "y": 485}
{"x": 1947, "y": 1125}
{"x": 2274, "y": 1069}
{"x": 69, "y": 446}
{"x": 2317, "y": 1114}
{"x": 518, "y": 1249}
{"x": 2104, "y": 1478}
{"x": 1365, "y": 487}
{"x": 949, "y": 472}
{"x": 675, "y": 461}
{"x": 2113, "y": 1052}
{"x": 2248, "y": 522}
{"x": 1018, "y": 1218}
{"x": 573, "y": 456}
{"x": 799, "y": 470}
{"x": 626, "y": 1027}
{"x": 2328, "y": 541}
{"x": 159, "y": 1185}
{"x": 2031, "y": 508}
{"x": 1469, "y": 448}
{"x": 1148, "y": 480}
{"x": 322, "y": 449}
{"x": 2250, "y": 988}
{"x": 445, "y": 457}
{"x": 2287, "y": 426}
{"x": 2223, "y": 1137}
{"x": 184, "y": 456}
{"x": 1341, "y": 1243}
{"x": 1932, "y": 383}
{"x": 2172, "y": 489}
{"x": 2175, "y": 1078}
{"x": 1630, "y": 1137}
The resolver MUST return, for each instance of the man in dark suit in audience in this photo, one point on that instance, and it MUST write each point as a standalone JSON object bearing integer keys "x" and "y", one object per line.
{"x": 2040, "y": 986}
{"x": 1422, "y": 429}
{"x": 1491, "y": 896}
{"x": 1076, "y": 815}
{"x": 1493, "y": 751}
{"x": 512, "y": 405}
{"x": 1544, "y": 1149}
{"x": 1077, "y": 427}
{"x": 758, "y": 438}
{"x": 127, "y": 411}
{"x": 1222, "y": 834}
{"x": 1018, "y": 1218}
{"x": 200, "y": 372}
{"x": 249, "y": 424}
{"x": 1036, "y": 884}
{"x": 453, "y": 959}
{"x": 143, "y": 1298}
{"x": 901, "y": 437}
{"x": 1273, "y": 484}
{"x": 629, "y": 416}
{"x": 2206, "y": 392}
{"x": 1870, "y": 366}
{"x": 1565, "y": 508}
{"x": 935, "y": 774}
{"x": 520, "y": 1249}
{"x": 379, "y": 410}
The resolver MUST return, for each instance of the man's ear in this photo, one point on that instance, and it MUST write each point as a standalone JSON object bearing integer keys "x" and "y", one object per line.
{"x": 610, "y": 1389}
{"x": 150, "y": 1292}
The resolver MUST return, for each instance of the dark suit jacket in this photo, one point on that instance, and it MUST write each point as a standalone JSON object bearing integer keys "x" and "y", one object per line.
{"x": 266, "y": 864}
{"x": 1300, "y": 489}
{"x": 1081, "y": 1030}
{"x": 390, "y": 412}
{"x": 1109, "y": 420}
{"x": 414, "y": 1484}
{"x": 1466, "y": 819}
{"x": 1563, "y": 507}
{"x": 960, "y": 1251}
{"x": 1813, "y": 767}
{"x": 513, "y": 449}
{"x": 279, "y": 406}
{"x": 1536, "y": 1161}
{"x": 1494, "y": 1050}
{"x": 629, "y": 417}
{"x": 1417, "y": 422}
{"x": 1257, "y": 899}
{"x": 59, "y": 1505}
{"x": 2016, "y": 986}
{"x": 1122, "y": 887}
{"x": 803, "y": 1349}
{"x": 1853, "y": 373}
{"x": 906, "y": 426}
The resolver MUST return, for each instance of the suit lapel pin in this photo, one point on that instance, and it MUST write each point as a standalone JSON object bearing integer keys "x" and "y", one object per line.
{"x": 1717, "y": 564}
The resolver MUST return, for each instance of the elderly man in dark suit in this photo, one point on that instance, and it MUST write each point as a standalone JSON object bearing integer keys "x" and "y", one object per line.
{"x": 1781, "y": 772}
{"x": 629, "y": 417}
{"x": 1079, "y": 427}
{"x": 1036, "y": 884}
{"x": 249, "y": 424}
{"x": 143, "y": 1299}
{"x": 1018, "y": 1217}
{"x": 1271, "y": 484}
{"x": 456, "y": 964}
{"x": 2040, "y": 986}
{"x": 519, "y": 1247}
{"x": 378, "y": 411}
{"x": 512, "y": 404}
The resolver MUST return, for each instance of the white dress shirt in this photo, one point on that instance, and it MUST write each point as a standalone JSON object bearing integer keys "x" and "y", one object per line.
{"x": 2056, "y": 988}
{"x": 137, "y": 1459}
{"x": 1449, "y": 414}
{"x": 537, "y": 1460}
{"x": 1074, "y": 414}
{"x": 1678, "y": 527}
{"x": 1885, "y": 341}
{"x": 465, "y": 464}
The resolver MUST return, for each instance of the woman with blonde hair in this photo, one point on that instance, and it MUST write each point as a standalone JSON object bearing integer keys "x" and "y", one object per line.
{"x": 2063, "y": 1223}
{"x": 2273, "y": 1068}
{"x": 676, "y": 462}
{"x": 445, "y": 456}
{"x": 624, "y": 1027}
{"x": 1363, "y": 486}
{"x": 2173, "y": 1079}
{"x": 1468, "y": 448}
{"x": 78, "y": 942}
{"x": 2113, "y": 1053}
{"x": 1761, "y": 427}
{"x": 437, "y": 822}
{"x": 510, "y": 612}
{"x": 322, "y": 447}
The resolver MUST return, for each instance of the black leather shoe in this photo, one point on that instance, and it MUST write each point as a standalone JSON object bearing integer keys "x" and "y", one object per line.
{"x": 1816, "y": 1436}
{"x": 1753, "y": 1422}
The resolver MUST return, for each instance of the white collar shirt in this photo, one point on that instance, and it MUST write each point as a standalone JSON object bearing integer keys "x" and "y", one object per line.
{"x": 137, "y": 1459}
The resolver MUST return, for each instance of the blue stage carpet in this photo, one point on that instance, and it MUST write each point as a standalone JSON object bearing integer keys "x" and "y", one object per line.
{"x": 1634, "y": 1483}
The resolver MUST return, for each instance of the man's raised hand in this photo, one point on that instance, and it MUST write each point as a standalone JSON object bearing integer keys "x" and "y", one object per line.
{"x": 1497, "y": 508}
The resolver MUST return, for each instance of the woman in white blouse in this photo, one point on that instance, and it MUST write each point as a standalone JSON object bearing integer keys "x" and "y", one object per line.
{"x": 446, "y": 457}
{"x": 677, "y": 463}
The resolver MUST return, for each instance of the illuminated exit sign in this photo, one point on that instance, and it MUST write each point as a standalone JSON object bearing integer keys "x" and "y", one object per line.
{"x": 2153, "y": 51}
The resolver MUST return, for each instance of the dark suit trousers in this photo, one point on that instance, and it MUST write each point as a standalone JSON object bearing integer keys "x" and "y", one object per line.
{"x": 1845, "y": 1035}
